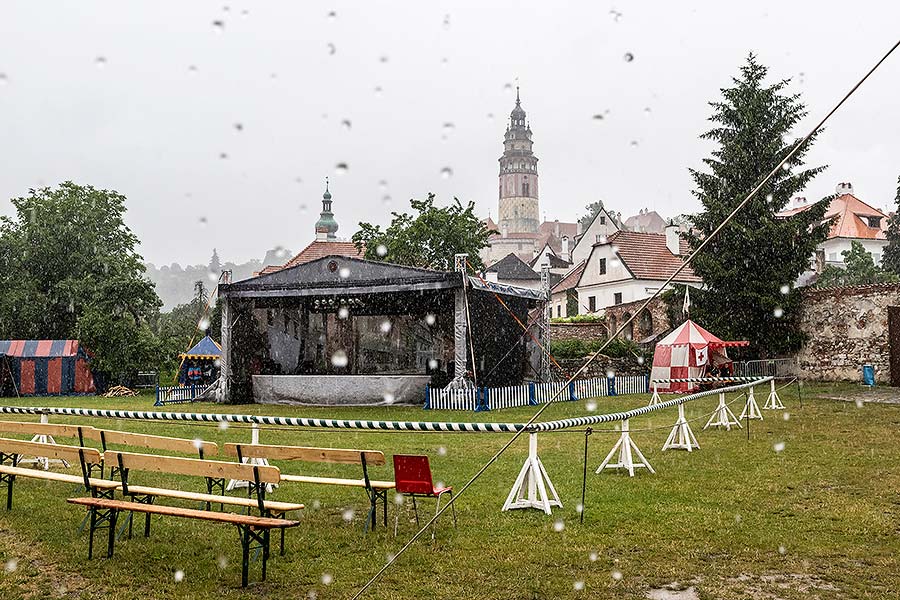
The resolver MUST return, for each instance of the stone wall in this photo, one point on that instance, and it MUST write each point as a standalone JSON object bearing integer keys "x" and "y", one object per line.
{"x": 600, "y": 367}
{"x": 585, "y": 332}
{"x": 846, "y": 328}
{"x": 652, "y": 323}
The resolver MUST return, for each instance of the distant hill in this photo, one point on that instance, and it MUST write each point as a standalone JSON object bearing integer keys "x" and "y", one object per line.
{"x": 175, "y": 284}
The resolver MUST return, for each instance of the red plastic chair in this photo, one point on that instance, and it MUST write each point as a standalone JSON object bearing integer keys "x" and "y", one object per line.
{"x": 412, "y": 475}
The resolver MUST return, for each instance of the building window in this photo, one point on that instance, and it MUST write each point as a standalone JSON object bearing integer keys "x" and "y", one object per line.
{"x": 617, "y": 298}
{"x": 525, "y": 188}
{"x": 592, "y": 303}
{"x": 270, "y": 317}
{"x": 832, "y": 256}
{"x": 559, "y": 310}
{"x": 601, "y": 267}
{"x": 603, "y": 219}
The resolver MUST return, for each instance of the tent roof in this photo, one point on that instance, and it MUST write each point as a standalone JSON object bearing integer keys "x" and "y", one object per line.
{"x": 39, "y": 348}
{"x": 205, "y": 348}
{"x": 691, "y": 334}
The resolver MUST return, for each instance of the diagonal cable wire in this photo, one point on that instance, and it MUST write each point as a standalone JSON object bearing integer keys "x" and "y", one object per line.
{"x": 656, "y": 294}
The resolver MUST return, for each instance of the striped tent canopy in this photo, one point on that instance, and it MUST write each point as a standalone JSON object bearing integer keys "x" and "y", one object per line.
{"x": 687, "y": 353}
{"x": 207, "y": 348}
{"x": 48, "y": 367}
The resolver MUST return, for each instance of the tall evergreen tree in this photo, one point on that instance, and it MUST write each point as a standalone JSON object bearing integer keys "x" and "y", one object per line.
{"x": 890, "y": 259}
{"x": 749, "y": 268}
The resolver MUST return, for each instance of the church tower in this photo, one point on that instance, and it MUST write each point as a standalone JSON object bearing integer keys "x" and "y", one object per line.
{"x": 326, "y": 226}
{"x": 519, "y": 211}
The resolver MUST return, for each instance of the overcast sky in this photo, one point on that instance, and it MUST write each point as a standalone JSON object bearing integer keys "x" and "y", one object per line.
{"x": 146, "y": 98}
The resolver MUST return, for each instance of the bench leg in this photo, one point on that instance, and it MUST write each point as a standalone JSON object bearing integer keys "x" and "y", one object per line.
{"x": 8, "y": 480}
{"x": 248, "y": 537}
{"x": 111, "y": 542}
{"x": 265, "y": 557}
{"x": 92, "y": 513}
{"x": 245, "y": 553}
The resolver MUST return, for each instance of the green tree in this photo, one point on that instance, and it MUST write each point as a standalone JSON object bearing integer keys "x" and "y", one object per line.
{"x": 890, "y": 259}
{"x": 429, "y": 239}
{"x": 750, "y": 265}
{"x": 69, "y": 269}
{"x": 859, "y": 269}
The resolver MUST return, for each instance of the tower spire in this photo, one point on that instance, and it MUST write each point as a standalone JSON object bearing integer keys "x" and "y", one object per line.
{"x": 326, "y": 226}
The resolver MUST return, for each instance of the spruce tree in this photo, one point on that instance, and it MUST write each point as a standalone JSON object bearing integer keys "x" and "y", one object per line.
{"x": 750, "y": 267}
{"x": 890, "y": 259}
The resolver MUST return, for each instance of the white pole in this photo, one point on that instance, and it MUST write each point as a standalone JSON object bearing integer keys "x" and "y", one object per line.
{"x": 531, "y": 487}
{"x": 625, "y": 446}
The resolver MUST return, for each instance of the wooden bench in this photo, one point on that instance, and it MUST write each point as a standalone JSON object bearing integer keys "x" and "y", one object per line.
{"x": 271, "y": 513}
{"x": 12, "y": 450}
{"x": 375, "y": 490}
{"x": 45, "y": 433}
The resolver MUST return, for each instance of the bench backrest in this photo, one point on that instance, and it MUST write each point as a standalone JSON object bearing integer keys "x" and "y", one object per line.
{"x": 61, "y": 452}
{"x": 54, "y": 429}
{"x": 154, "y": 442}
{"x": 193, "y": 466}
{"x": 325, "y": 455}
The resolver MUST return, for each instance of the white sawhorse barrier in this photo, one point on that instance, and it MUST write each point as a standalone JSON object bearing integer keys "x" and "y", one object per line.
{"x": 773, "y": 402}
{"x": 751, "y": 409}
{"x": 722, "y": 416}
{"x": 42, "y": 438}
{"x": 238, "y": 483}
{"x": 681, "y": 437}
{"x": 655, "y": 399}
{"x": 532, "y": 484}
{"x": 627, "y": 449}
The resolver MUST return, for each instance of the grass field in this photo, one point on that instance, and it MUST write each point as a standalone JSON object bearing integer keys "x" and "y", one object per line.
{"x": 736, "y": 519}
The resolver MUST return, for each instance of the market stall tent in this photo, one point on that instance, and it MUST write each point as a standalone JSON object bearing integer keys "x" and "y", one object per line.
{"x": 48, "y": 367}
{"x": 688, "y": 352}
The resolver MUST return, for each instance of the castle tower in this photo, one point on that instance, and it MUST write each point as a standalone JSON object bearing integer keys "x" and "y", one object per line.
{"x": 519, "y": 212}
{"x": 326, "y": 226}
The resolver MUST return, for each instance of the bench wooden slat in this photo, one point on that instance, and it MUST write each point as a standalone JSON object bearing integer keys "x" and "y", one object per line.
{"x": 62, "y": 452}
{"x": 272, "y": 505}
{"x": 156, "y": 442}
{"x": 192, "y": 466}
{"x": 53, "y": 429}
{"x": 327, "y": 455}
{"x": 386, "y": 485}
{"x": 56, "y": 476}
{"x": 189, "y": 513}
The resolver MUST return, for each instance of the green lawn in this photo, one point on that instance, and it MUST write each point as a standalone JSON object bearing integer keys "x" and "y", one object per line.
{"x": 735, "y": 519}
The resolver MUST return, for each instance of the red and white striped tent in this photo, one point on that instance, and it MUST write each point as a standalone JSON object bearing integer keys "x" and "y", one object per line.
{"x": 685, "y": 353}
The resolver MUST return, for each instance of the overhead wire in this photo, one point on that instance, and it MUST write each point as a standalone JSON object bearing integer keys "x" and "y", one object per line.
{"x": 393, "y": 558}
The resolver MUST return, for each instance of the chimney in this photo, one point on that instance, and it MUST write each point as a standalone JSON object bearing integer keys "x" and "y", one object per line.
{"x": 565, "y": 248}
{"x": 321, "y": 234}
{"x": 578, "y": 228}
{"x": 673, "y": 239}
{"x": 844, "y": 188}
{"x": 556, "y": 228}
{"x": 799, "y": 201}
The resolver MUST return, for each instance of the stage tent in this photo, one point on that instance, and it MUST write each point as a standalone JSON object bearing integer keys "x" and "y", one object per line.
{"x": 207, "y": 349}
{"x": 48, "y": 367}
{"x": 685, "y": 353}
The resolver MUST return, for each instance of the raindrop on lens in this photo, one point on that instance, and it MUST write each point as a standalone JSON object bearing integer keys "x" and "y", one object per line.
{"x": 579, "y": 508}
{"x": 598, "y": 117}
{"x": 332, "y": 15}
{"x": 327, "y": 578}
{"x": 432, "y": 364}
{"x": 785, "y": 289}
{"x": 429, "y": 319}
{"x": 388, "y": 398}
{"x": 198, "y": 443}
{"x": 223, "y": 425}
{"x": 331, "y": 49}
{"x": 383, "y": 58}
{"x": 381, "y": 250}
{"x": 343, "y": 312}
{"x": 640, "y": 360}
{"x": 781, "y": 549}
{"x": 239, "y": 127}
{"x": 610, "y": 373}
{"x": 768, "y": 197}
{"x": 442, "y": 451}
{"x": 507, "y": 88}
{"x": 348, "y": 515}
{"x": 778, "y": 447}
{"x": 592, "y": 557}
{"x": 222, "y": 562}
{"x": 786, "y": 416}
{"x": 378, "y": 91}
{"x": 344, "y": 272}
{"x": 347, "y": 124}
{"x": 446, "y": 173}
{"x": 448, "y": 128}
{"x": 591, "y": 406}
{"x": 218, "y": 25}
{"x": 737, "y": 518}
{"x": 11, "y": 565}
{"x": 100, "y": 61}
{"x": 341, "y": 168}
{"x": 179, "y": 576}
{"x": 385, "y": 326}
{"x": 558, "y": 525}
{"x": 399, "y": 499}
{"x": 446, "y": 21}
{"x": 859, "y": 403}
{"x": 617, "y": 575}
{"x": 628, "y": 57}
{"x": 203, "y": 325}
{"x": 3, "y": 79}
{"x": 339, "y": 359}
{"x": 578, "y": 586}
{"x": 778, "y": 312}
{"x": 634, "y": 143}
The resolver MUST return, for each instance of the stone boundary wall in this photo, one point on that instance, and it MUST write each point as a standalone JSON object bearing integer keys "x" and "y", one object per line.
{"x": 577, "y": 331}
{"x": 847, "y": 327}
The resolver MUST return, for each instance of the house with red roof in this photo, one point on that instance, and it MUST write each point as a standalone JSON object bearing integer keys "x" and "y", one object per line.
{"x": 630, "y": 266}
{"x": 564, "y": 295}
{"x": 851, "y": 220}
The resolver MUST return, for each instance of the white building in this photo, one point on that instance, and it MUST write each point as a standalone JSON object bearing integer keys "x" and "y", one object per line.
{"x": 601, "y": 227}
{"x": 631, "y": 266}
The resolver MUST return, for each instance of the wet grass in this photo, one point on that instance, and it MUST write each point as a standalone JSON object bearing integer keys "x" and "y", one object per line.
{"x": 736, "y": 519}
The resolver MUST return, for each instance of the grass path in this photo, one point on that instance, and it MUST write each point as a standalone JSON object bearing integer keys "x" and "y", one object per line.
{"x": 735, "y": 520}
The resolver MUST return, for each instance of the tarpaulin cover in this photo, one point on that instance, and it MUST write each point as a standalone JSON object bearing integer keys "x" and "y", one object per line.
{"x": 49, "y": 367}
{"x": 686, "y": 353}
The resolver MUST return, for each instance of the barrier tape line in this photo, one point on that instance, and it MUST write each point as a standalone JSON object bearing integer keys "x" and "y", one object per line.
{"x": 415, "y": 426}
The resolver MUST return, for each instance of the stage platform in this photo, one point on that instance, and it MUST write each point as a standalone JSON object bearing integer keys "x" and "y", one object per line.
{"x": 340, "y": 390}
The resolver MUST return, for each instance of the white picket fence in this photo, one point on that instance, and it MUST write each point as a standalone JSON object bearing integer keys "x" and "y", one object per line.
{"x": 477, "y": 399}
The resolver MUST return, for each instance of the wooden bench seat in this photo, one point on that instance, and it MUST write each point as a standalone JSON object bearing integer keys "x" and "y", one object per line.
{"x": 12, "y": 450}
{"x": 252, "y": 528}
{"x": 375, "y": 490}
